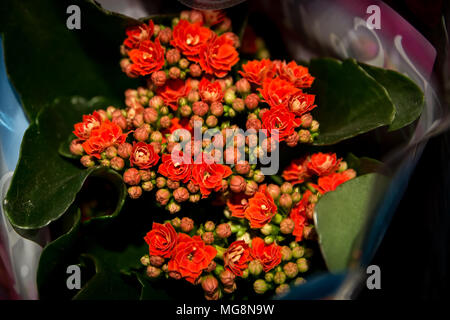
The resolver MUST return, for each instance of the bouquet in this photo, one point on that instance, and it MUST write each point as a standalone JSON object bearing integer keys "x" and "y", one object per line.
{"x": 218, "y": 162}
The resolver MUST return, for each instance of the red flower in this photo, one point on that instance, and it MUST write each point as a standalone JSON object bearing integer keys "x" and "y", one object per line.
{"x": 277, "y": 92}
{"x": 90, "y": 122}
{"x": 261, "y": 208}
{"x": 322, "y": 164}
{"x": 281, "y": 119}
{"x": 137, "y": 34}
{"x": 208, "y": 175}
{"x": 143, "y": 155}
{"x": 218, "y": 56}
{"x": 106, "y": 135}
{"x": 301, "y": 103}
{"x": 191, "y": 256}
{"x": 236, "y": 257}
{"x": 148, "y": 58}
{"x": 175, "y": 171}
{"x": 238, "y": 203}
{"x": 210, "y": 91}
{"x": 172, "y": 90}
{"x": 296, "y": 172}
{"x": 297, "y": 75}
{"x": 298, "y": 215}
{"x": 256, "y": 71}
{"x": 268, "y": 255}
{"x": 189, "y": 38}
{"x": 332, "y": 181}
{"x": 161, "y": 240}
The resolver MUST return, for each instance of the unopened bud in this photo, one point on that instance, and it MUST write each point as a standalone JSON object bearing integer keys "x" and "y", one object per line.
{"x": 194, "y": 198}
{"x": 282, "y": 289}
{"x": 227, "y": 278}
{"x": 279, "y": 277}
{"x": 306, "y": 120}
{"x": 173, "y": 56}
{"x": 302, "y": 265}
{"x": 298, "y": 252}
{"x": 304, "y": 136}
{"x": 285, "y": 201}
{"x": 258, "y": 176}
{"x": 223, "y": 230}
{"x": 290, "y": 269}
{"x": 210, "y": 284}
{"x": 141, "y": 134}
{"x": 145, "y": 260}
{"x": 287, "y": 225}
{"x": 251, "y": 188}
{"x": 87, "y": 161}
{"x": 76, "y": 147}
{"x": 286, "y": 253}
{"x": 209, "y": 226}
{"x": 252, "y": 101}
{"x": 134, "y": 192}
{"x": 229, "y": 96}
{"x": 195, "y": 70}
{"x": 159, "y": 78}
{"x": 174, "y": 73}
{"x": 181, "y": 194}
{"x": 200, "y": 108}
{"x": 165, "y": 35}
{"x": 153, "y": 272}
{"x": 237, "y": 184}
{"x": 187, "y": 225}
{"x": 117, "y": 163}
{"x": 132, "y": 177}
{"x": 243, "y": 86}
{"x": 208, "y": 237}
{"x": 314, "y": 126}
{"x": 156, "y": 261}
{"x": 274, "y": 191}
{"x": 124, "y": 150}
{"x": 260, "y": 286}
{"x": 216, "y": 109}
{"x": 238, "y": 105}
{"x": 255, "y": 267}
{"x": 162, "y": 196}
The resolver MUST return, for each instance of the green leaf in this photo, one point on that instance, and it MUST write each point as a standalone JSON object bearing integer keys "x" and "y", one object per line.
{"x": 363, "y": 165}
{"x": 44, "y": 184}
{"x": 45, "y": 60}
{"x": 341, "y": 216}
{"x": 407, "y": 97}
{"x": 350, "y": 102}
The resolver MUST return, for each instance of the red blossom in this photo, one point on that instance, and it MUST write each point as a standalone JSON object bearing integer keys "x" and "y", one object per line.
{"x": 261, "y": 208}
{"x": 268, "y": 255}
{"x": 143, "y": 155}
{"x": 189, "y": 38}
{"x": 137, "y": 34}
{"x": 106, "y": 135}
{"x": 218, "y": 56}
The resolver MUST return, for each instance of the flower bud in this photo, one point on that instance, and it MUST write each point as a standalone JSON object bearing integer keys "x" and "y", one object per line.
{"x": 287, "y": 225}
{"x": 298, "y": 281}
{"x": 165, "y": 122}
{"x": 156, "y": 261}
{"x": 195, "y": 70}
{"x": 175, "y": 275}
{"x": 141, "y": 134}
{"x": 76, "y": 147}
{"x": 173, "y": 207}
{"x": 181, "y": 194}
{"x": 302, "y": 265}
{"x": 121, "y": 121}
{"x": 253, "y": 123}
{"x": 161, "y": 182}
{"x": 208, "y": 237}
{"x": 210, "y": 284}
{"x": 176, "y": 222}
{"x": 124, "y": 150}
{"x": 216, "y": 109}
{"x": 255, "y": 267}
{"x": 298, "y": 252}
{"x": 292, "y": 140}
{"x": 269, "y": 277}
{"x": 296, "y": 196}
{"x": 267, "y": 229}
{"x": 229, "y": 96}
{"x": 290, "y": 269}
{"x": 209, "y": 226}
{"x": 227, "y": 278}
{"x": 195, "y": 16}
{"x": 117, "y": 163}
{"x": 243, "y": 86}
{"x": 153, "y": 272}
{"x": 304, "y": 136}
{"x": 194, "y": 198}
{"x": 230, "y": 289}
{"x": 172, "y": 184}
{"x": 269, "y": 240}
{"x": 277, "y": 218}
{"x": 146, "y": 175}
{"x": 145, "y": 260}
{"x": 237, "y": 184}
{"x": 159, "y": 78}
{"x": 279, "y": 277}
{"x": 343, "y": 166}
{"x": 132, "y": 177}
{"x": 134, "y": 192}
{"x": 285, "y": 201}
{"x": 251, "y": 188}
{"x": 174, "y": 73}
{"x": 200, "y": 108}
{"x": 192, "y": 187}
{"x": 282, "y": 289}
{"x": 187, "y": 224}
{"x": 260, "y": 286}
{"x": 252, "y": 101}
{"x": 238, "y": 105}
{"x": 306, "y": 120}
{"x": 173, "y": 56}
{"x": 87, "y": 161}
{"x": 286, "y": 253}
{"x": 156, "y": 102}
{"x": 242, "y": 168}
{"x": 165, "y": 35}
{"x": 314, "y": 126}
{"x": 309, "y": 232}
{"x": 225, "y": 25}
{"x": 183, "y": 63}
{"x": 104, "y": 162}
{"x": 162, "y": 196}
{"x": 223, "y": 230}
{"x": 258, "y": 176}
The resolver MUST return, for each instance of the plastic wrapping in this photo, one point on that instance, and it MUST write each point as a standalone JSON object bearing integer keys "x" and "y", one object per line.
{"x": 309, "y": 29}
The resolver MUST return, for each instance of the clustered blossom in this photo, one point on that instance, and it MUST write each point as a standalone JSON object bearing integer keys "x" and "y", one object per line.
{"x": 186, "y": 68}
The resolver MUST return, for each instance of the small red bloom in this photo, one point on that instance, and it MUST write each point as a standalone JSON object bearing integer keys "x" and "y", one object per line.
{"x": 237, "y": 204}
{"x": 298, "y": 75}
{"x": 175, "y": 170}
{"x": 261, "y": 208}
{"x": 298, "y": 215}
{"x": 191, "y": 256}
{"x": 332, "y": 181}
{"x": 137, "y": 34}
{"x": 209, "y": 175}
{"x": 296, "y": 172}
{"x": 106, "y": 135}
{"x": 256, "y": 71}
{"x": 143, "y": 155}
{"x": 268, "y": 255}
{"x": 277, "y": 92}
{"x": 172, "y": 90}
{"x": 281, "y": 119}
{"x": 301, "y": 103}
{"x": 90, "y": 122}
{"x": 236, "y": 257}
{"x": 322, "y": 164}
{"x": 189, "y": 38}
{"x": 148, "y": 58}
{"x": 218, "y": 56}
{"x": 161, "y": 240}
{"x": 210, "y": 91}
